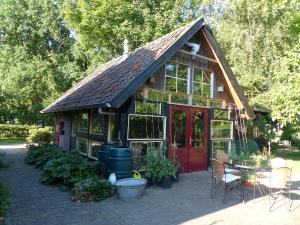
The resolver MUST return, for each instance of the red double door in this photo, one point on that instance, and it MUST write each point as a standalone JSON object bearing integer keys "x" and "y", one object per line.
{"x": 188, "y": 137}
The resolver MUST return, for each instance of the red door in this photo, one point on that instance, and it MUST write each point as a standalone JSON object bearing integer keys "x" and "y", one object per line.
{"x": 188, "y": 135}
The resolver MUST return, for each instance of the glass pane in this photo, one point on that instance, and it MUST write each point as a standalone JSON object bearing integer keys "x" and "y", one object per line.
{"x": 170, "y": 84}
{"x": 181, "y": 86}
{"x": 206, "y": 90}
{"x": 113, "y": 128}
{"x": 97, "y": 125}
{"x": 171, "y": 69}
{"x": 196, "y": 88}
{"x": 206, "y": 78}
{"x": 95, "y": 147}
{"x": 221, "y": 129}
{"x": 147, "y": 107}
{"x": 82, "y": 145}
{"x": 220, "y": 114}
{"x": 197, "y": 75}
{"x": 146, "y": 127}
{"x": 197, "y": 130}
{"x": 179, "y": 128}
{"x": 84, "y": 122}
{"x": 182, "y": 71}
{"x": 222, "y": 146}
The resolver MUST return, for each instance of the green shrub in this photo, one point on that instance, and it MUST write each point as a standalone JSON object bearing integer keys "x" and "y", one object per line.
{"x": 68, "y": 169}
{"x": 4, "y": 199}
{"x": 158, "y": 166}
{"x": 16, "y": 130}
{"x": 40, "y": 136}
{"x": 91, "y": 189}
{"x": 39, "y": 155}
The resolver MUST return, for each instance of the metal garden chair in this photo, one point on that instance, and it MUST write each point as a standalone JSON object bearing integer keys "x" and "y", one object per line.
{"x": 278, "y": 184}
{"x": 220, "y": 176}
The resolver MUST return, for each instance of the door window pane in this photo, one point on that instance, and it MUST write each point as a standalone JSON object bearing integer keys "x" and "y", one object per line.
{"x": 84, "y": 122}
{"x": 97, "y": 123}
{"x": 221, "y": 129}
{"x": 82, "y": 145}
{"x": 179, "y": 129}
{"x": 197, "y": 130}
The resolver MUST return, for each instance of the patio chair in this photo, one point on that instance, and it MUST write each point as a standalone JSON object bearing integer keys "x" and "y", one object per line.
{"x": 224, "y": 158}
{"x": 278, "y": 184}
{"x": 219, "y": 176}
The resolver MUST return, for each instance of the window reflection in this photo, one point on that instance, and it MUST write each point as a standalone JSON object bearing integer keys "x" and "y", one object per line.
{"x": 197, "y": 130}
{"x": 179, "y": 128}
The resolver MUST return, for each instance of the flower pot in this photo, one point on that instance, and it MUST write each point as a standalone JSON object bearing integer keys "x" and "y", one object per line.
{"x": 166, "y": 182}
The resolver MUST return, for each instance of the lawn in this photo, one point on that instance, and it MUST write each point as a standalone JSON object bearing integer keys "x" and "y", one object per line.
{"x": 293, "y": 158}
{"x": 12, "y": 140}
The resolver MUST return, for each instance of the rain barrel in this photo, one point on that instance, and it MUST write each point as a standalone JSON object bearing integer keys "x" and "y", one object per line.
{"x": 102, "y": 154}
{"x": 119, "y": 161}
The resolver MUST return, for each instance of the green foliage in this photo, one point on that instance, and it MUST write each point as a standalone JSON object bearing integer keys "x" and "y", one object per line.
{"x": 67, "y": 169}
{"x": 39, "y": 155}
{"x": 40, "y": 136}
{"x": 158, "y": 166}
{"x": 37, "y": 61}
{"x": 91, "y": 189}
{"x": 4, "y": 199}
{"x": 17, "y": 130}
{"x": 261, "y": 42}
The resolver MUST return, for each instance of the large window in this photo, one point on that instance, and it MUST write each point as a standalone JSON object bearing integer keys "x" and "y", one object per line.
{"x": 145, "y": 127}
{"x": 97, "y": 124}
{"x": 82, "y": 146}
{"x": 83, "y": 122}
{"x": 201, "y": 84}
{"x": 176, "y": 76}
{"x": 221, "y": 129}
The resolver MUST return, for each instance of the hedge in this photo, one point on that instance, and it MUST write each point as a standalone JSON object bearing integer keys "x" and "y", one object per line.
{"x": 13, "y": 130}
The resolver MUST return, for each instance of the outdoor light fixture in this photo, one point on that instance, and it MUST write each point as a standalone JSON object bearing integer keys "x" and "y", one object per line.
{"x": 220, "y": 88}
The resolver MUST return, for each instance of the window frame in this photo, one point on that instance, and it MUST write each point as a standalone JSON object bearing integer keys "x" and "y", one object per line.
{"x": 87, "y": 140}
{"x": 187, "y": 80}
{"x": 200, "y": 82}
{"x": 231, "y": 130}
{"x": 91, "y": 124}
{"x": 147, "y": 139}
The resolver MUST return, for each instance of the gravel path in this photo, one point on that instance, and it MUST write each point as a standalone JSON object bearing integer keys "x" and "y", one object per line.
{"x": 187, "y": 202}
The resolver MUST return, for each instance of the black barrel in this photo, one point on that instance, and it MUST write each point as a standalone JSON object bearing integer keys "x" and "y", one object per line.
{"x": 119, "y": 161}
{"x": 102, "y": 154}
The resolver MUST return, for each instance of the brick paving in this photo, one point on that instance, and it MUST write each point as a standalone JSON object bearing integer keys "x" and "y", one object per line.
{"x": 187, "y": 202}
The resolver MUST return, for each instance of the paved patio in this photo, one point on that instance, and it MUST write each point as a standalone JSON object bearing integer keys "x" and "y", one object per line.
{"x": 187, "y": 203}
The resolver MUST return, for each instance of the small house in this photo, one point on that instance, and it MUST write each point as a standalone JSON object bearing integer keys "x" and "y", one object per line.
{"x": 176, "y": 94}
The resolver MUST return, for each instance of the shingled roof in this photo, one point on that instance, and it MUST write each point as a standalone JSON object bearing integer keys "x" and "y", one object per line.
{"x": 108, "y": 84}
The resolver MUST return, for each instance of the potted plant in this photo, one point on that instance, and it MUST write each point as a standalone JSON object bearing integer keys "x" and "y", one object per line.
{"x": 167, "y": 173}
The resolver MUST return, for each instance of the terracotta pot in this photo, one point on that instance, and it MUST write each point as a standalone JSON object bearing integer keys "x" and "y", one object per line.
{"x": 249, "y": 184}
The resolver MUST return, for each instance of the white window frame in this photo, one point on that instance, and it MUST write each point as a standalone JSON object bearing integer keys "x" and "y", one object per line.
{"x": 85, "y": 154}
{"x": 220, "y": 139}
{"x": 201, "y": 83}
{"x": 177, "y": 78}
{"x": 147, "y": 139}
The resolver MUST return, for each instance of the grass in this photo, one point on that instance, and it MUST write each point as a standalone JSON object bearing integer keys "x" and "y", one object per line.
{"x": 12, "y": 140}
{"x": 292, "y": 157}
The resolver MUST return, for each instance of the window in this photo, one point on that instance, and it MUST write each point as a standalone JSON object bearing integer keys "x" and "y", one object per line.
{"x": 94, "y": 149}
{"x": 220, "y": 114}
{"x": 74, "y": 124}
{"x": 147, "y": 107}
{"x": 82, "y": 146}
{"x": 176, "y": 77}
{"x": 221, "y": 129}
{"x": 139, "y": 151}
{"x": 97, "y": 124}
{"x": 146, "y": 127}
{"x": 201, "y": 84}
{"x": 112, "y": 128}
{"x": 220, "y": 146}
{"x": 84, "y": 122}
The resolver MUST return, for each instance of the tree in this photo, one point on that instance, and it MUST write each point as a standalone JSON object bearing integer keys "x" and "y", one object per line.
{"x": 37, "y": 61}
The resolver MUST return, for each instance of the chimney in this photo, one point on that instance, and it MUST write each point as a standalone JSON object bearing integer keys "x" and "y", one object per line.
{"x": 125, "y": 49}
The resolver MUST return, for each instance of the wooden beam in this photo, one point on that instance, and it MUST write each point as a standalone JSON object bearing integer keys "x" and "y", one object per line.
{"x": 199, "y": 56}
